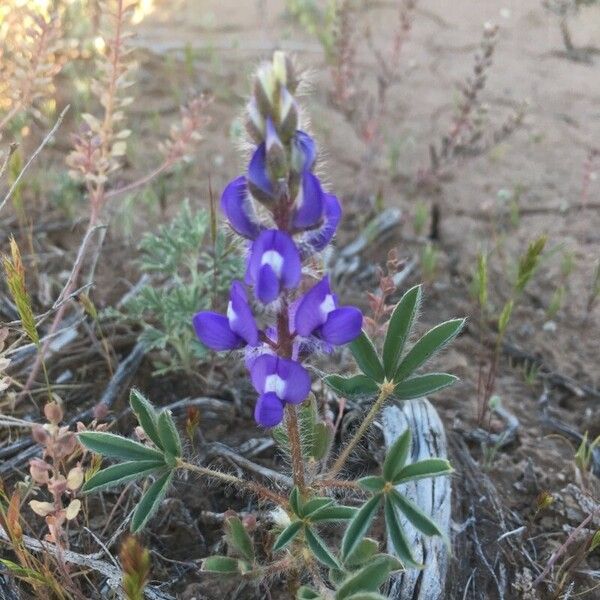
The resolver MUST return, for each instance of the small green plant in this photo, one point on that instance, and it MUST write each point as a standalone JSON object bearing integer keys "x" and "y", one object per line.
{"x": 429, "y": 262}
{"x": 420, "y": 217}
{"x": 187, "y": 271}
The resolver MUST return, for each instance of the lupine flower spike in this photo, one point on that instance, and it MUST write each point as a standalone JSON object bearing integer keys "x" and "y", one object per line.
{"x": 280, "y": 206}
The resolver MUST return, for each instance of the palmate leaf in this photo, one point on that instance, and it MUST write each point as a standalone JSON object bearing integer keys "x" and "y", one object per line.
{"x": 168, "y": 434}
{"x": 429, "y": 467}
{"x": 433, "y": 341}
{"x": 314, "y": 505}
{"x": 116, "y": 446}
{"x": 146, "y": 416}
{"x": 359, "y": 525}
{"x": 423, "y": 385}
{"x": 357, "y": 386}
{"x": 239, "y": 538}
{"x": 319, "y": 549}
{"x": 364, "y": 353}
{"x": 287, "y": 535}
{"x": 367, "y": 579}
{"x": 396, "y": 456}
{"x": 365, "y": 550}
{"x": 121, "y": 473}
{"x": 399, "y": 328}
{"x": 333, "y": 513}
{"x": 150, "y": 501}
{"x": 224, "y": 565}
{"x": 397, "y": 536}
{"x": 414, "y": 514}
{"x": 371, "y": 483}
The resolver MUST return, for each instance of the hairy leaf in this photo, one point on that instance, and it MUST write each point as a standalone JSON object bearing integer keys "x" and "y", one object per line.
{"x": 224, "y": 565}
{"x": 429, "y": 467}
{"x": 399, "y": 328}
{"x": 116, "y": 446}
{"x": 169, "y": 436}
{"x": 358, "y": 386}
{"x": 396, "y": 456}
{"x": 414, "y": 514}
{"x": 333, "y": 513}
{"x": 364, "y": 353}
{"x": 287, "y": 535}
{"x": 367, "y": 579}
{"x": 121, "y": 473}
{"x": 396, "y": 534}
{"x": 146, "y": 416}
{"x": 320, "y": 549}
{"x": 423, "y": 385}
{"x": 239, "y": 538}
{"x": 358, "y": 527}
{"x": 150, "y": 502}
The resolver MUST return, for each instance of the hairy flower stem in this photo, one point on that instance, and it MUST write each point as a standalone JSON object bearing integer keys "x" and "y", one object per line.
{"x": 384, "y": 393}
{"x": 251, "y": 486}
{"x": 285, "y": 339}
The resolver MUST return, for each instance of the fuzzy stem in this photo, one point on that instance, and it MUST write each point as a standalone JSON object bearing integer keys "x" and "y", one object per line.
{"x": 338, "y": 465}
{"x": 251, "y": 486}
{"x": 293, "y": 431}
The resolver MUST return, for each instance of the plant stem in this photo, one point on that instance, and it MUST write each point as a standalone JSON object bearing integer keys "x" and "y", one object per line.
{"x": 251, "y": 486}
{"x": 338, "y": 465}
{"x": 293, "y": 432}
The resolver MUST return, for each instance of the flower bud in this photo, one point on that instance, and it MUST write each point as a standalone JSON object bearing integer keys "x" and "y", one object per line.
{"x": 264, "y": 90}
{"x": 65, "y": 444}
{"x": 43, "y": 509}
{"x": 288, "y": 114}
{"x": 284, "y": 71}
{"x": 38, "y": 469}
{"x": 39, "y": 434}
{"x": 255, "y": 123}
{"x": 53, "y": 412}
{"x": 276, "y": 162}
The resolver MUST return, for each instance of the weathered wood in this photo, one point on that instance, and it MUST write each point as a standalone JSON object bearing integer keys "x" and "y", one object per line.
{"x": 432, "y": 495}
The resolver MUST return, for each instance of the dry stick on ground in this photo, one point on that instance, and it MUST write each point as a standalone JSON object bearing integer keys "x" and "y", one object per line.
{"x": 33, "y": 157}
{"x": 112, "y": 574}
{"x": 123, "y": 373}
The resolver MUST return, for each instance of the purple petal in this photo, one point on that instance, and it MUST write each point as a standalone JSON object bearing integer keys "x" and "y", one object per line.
{"x": 297, "y": 380}
{"x": 258, "y": 179}
{"x": 311, "y": 313}
{"x": 239, "y": 314}
{"x": 332, "y": 211}
{"x": 292, "y": 265}
{"x": 267, "y": 286}
{"x": 214, "y": 332}
{"x": 262, "y": 367}
{"x": 306, "y": 149}
{"x": 238, "y": 208}
{"x": 342, "y": 325}
{"x": 309, "y": 202}
{"x": 269, "y": 410}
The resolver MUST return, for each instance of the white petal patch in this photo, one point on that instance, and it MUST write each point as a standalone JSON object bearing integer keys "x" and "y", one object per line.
{"x": 326, "y": 306}
{"x": 274, "y": 383}
{"x": 274, "y": 260}
{"x": 231, "y": 314}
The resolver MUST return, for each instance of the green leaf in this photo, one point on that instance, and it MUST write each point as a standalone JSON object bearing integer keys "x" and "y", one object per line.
{"x": 415, "y": 515}
{"x": 396, "y": 534}
{"x": 120, "y": 473}
{"x": 333, "y": 513}
{"x": 365, "y": 550}
{"x": 433, "y": 341}
{"x": 358, "y": 386}
{"x": 396, "y": 456}
{"x": 239, "y": 537}
{"x": 116, "y": 446}
{"x": 287, "y": 535}
{"x": 319, "y": 549}
{"x": 321, "y": 441}
{"x": 296, "y": 501}
{"x": 146, "y": 416}
{"x": 224, "y": 565}
{"x": 315, "y": 504}
{"x": 150, "y": 502}
{"x": 307, "y": 593}
{"x": 399, "y": 328}
{"x": 358, "y": 527}
{"x": 364, "y": 353}
{"x": 371, "y": 483}
{"x": 168, "y": 433}
{"x": 368, "y": 579}
{"x": 423, "y": 385}
{"x": 429, "y": 467}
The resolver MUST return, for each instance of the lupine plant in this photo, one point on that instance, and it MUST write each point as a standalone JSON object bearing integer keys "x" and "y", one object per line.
{"x": 286, "y": 218}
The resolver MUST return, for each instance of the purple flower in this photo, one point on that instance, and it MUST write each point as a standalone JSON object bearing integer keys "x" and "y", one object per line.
{"x": 309, "y": 202}
{"x": 332, "y": 213}
{"x": 237, "y": 329}
{"x": 274, "y": 264}
{"x": 277, "y": 380}
{"x": 236, "y": 204}
{"x": 259, "y": 182}
{"x": 318, "y": 314}
{"x": 304, "y": 152}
